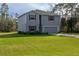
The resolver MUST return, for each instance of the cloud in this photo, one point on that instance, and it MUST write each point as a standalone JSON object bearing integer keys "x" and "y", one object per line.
{"x": 21, "y": 8}
{"x": 42, "y": 6}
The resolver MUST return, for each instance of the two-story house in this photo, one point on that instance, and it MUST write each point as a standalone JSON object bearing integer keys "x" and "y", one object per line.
{"x": 40, "y": 21}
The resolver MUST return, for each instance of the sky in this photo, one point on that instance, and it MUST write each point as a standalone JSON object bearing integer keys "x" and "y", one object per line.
{"x": 21, "y": 8}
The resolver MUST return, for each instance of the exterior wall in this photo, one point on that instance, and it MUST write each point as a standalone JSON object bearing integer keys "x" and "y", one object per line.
{"x": 33, "y": 22}
{"x": 22, "y": 23}
{"x": 58, "y": 21}
{"x": 50, "y": 24}
{"x": 47, "y": 25}
{"x": 46, "y": 22}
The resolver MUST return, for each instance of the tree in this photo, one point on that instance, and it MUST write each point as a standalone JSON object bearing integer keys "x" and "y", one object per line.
{"x": 63, "y": 24}
{"x": 58, "y": 8}
{"x": 77, "y": 27}
{"x": 71, "y": 24}
{"x": 70, "y": 8}
{"x": 6, "y": 24}
{"x": 16, "y": 20}
{"x": 65, "y": 8}
{"x": 4, "y": 11}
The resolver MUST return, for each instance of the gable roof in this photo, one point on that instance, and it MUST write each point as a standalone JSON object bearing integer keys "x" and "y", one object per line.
{"x": 41, "y": 12}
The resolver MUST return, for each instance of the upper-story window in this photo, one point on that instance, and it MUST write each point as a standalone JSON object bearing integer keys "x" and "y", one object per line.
{"x": 51, "y": 18}
{"x": 32, "y": 17}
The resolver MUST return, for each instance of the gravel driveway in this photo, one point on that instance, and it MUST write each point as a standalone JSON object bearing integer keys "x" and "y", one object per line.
{"x": 70, "y": 35}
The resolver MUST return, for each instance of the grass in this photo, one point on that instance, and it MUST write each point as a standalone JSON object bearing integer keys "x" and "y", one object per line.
{"x": 13, "y": 44}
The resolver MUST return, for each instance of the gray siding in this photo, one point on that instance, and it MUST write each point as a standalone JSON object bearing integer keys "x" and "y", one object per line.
{"x": 33, "y": 22}
{"x": 22, "y": 23}
{"x": 46, "y": 22}
{"x": 50, "y": 24}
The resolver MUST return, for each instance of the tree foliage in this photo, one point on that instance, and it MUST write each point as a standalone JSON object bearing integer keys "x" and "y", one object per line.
{"x": 71, "y": 23}
{"x": 65, "y": 8}
{"x": 6, "y": 22}
{"x": 68, "y": 11}
{"x": 63, "y": 24}
{"x": 6, "y": 25}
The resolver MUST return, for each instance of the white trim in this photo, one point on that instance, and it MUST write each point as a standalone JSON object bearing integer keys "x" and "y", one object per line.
{"x": 51, "y": 26}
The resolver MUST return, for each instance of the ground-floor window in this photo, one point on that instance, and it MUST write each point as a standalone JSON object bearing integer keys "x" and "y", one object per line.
{"x": 32, "y": 28}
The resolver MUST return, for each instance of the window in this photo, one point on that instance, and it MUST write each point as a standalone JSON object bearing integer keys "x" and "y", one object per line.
{"x": 51, "y": 18}
{"x": 32, "y": 28}
{"x": 32, "y": 17}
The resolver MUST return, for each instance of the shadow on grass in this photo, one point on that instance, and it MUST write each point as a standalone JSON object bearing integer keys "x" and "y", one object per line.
{"x": 22, "y": 35}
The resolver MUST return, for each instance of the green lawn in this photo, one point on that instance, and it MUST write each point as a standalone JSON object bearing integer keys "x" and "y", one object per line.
{"x": 37, "y": 45}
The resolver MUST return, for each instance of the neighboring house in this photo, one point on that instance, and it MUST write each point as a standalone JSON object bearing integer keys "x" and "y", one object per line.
{"x": 39, "y": 21}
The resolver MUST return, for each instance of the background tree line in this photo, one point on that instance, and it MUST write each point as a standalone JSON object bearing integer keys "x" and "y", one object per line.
{"x": 7, "y": 23}
{"x": 69, "y": 16}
